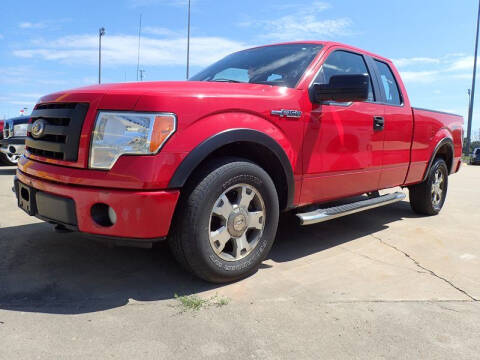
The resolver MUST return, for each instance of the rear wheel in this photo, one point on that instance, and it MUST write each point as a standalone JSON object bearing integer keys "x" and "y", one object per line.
{"x": 226, "y": 224}
{"x": 427, "y": 198}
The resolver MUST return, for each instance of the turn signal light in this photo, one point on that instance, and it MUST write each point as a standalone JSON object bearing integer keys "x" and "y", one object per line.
{"x": 164, "y": 127}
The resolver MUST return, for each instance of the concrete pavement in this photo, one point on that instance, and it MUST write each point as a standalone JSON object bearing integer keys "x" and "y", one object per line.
{"x": 380, "y": 284}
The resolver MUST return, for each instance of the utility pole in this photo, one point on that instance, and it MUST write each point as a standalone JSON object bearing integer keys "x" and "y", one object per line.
{"x": 472, "y": 95}
{"x": 141, "y": 71}
{"x": 101, "y": 32}
{"x": 139, "y": 36}
{"x": 469, "y": 93}
{"x": 188, "y": 40}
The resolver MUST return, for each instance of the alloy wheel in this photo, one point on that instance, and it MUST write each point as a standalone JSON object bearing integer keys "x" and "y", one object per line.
{"x": 438, "y": 186}
{"x": 237, "y": 221}
{"x": 13, "y": 158}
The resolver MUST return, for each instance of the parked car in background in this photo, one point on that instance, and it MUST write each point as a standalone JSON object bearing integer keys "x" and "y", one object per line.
{"x": 12, "y": 139}
{"x": 211, "y": 162}
{"x": 475, "y": 157}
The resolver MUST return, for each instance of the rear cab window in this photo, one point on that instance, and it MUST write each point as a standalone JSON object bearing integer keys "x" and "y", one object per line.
{"x": 389, "y": 84}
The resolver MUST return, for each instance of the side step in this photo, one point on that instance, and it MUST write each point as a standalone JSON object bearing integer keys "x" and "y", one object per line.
{"x": 322, "y": 215}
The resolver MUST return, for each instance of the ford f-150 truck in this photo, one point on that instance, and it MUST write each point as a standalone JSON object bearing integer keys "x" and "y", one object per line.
{"x": 210, "y": 163}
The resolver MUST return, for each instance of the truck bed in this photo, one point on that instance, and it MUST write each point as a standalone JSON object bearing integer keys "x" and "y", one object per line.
{"x": 430, "y": 127}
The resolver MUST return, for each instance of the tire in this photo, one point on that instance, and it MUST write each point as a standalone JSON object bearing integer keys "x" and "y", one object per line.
{"x": 226, "y": 222}
{"x": 428, "y": 197}
{"x": 10, "y": 160}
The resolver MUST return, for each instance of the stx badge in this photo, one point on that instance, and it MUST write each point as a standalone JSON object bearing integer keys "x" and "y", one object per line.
{"x": 287, "y": 113}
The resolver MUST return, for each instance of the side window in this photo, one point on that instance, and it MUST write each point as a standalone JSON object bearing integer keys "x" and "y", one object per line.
{"x": 342, "y": 63}
{"x": 392, "y": 93}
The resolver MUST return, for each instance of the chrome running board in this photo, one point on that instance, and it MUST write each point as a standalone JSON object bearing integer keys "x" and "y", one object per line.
{"x": 321, "y": 215}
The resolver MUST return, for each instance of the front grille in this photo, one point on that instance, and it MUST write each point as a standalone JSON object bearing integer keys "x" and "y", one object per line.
{"x": 62, "y": 129}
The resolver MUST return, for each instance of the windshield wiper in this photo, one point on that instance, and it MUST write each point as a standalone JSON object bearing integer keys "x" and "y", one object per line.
{"x": 226, "y": 80}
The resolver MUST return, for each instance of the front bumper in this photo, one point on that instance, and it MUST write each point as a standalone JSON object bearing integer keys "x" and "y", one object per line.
{"x": 141, "y": 215}
{"x": 14, "y": 145}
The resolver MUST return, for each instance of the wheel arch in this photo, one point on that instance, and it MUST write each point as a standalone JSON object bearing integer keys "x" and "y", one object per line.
{"x": 250, "y": 144}
{"x": 445, "y": 150}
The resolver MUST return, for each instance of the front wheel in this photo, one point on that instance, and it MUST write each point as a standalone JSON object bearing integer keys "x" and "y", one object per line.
{"x": 226, "y": 223}
{"x": 427, "y": 198}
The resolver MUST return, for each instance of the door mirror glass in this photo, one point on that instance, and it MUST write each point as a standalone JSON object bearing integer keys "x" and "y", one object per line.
{"x": 342, "y": 88}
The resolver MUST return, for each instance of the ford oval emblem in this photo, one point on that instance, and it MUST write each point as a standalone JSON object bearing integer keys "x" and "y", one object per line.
{"x": 38, "y": 129}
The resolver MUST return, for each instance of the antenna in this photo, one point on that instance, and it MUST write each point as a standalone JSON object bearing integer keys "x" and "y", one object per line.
{"x": 188, "y": 41}
{"x": 139, "y": 37}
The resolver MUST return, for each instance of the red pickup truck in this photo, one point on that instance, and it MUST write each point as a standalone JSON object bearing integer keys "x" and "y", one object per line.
{"x": 210, "y": 163}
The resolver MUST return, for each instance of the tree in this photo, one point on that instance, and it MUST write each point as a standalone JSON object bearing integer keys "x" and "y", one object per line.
{"x": 473, "y": 145}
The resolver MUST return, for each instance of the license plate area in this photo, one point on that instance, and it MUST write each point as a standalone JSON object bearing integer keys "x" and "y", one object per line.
{"x": 26, "y": 199}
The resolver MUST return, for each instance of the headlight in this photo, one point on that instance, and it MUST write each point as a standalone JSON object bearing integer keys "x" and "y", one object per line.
{"x": 20, "y": 130}
{"x": 121, "y": 133}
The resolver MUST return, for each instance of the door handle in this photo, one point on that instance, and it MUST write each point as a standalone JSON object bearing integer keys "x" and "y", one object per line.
{"x": 378, "y": 123}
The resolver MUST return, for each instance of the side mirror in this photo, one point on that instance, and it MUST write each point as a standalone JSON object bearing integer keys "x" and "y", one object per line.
{"x": 342, "y": 88}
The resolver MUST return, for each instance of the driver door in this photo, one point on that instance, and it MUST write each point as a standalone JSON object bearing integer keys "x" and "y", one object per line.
{"x": 342, "y": 150}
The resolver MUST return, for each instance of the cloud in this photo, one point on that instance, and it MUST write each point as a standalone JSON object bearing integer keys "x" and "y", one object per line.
{"x": 462, "y": 76}
{"x": 404, "y": 62}
{"x": 145, "y": 3}
{"x": 464, "y": 63}
{"x": 33, "y": 96}
{"x": 301, "y": 23}
{"x": 12, "y": 100}
{"x": 30, "y": 25}
{"x": 25, "y": 75}
{"x": 122, "y": 50}
{"x": 1, "y": 36}
{"x": 315, "y": 6}
{"x": 160, "y": 31}
{"x": 428, "y": 69}
{"x": 419, "y": 76}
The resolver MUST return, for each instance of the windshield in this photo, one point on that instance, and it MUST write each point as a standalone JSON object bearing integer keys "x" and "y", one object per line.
{"x": 279, "y": 65}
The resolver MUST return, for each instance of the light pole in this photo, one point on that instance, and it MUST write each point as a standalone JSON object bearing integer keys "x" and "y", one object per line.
{"x": 141, "y": 71}
{"x": 188, "y": 40}
{"x": 138, "y": 52}
{"x": 472, "y": 95}
{"x": 101, "y": 32}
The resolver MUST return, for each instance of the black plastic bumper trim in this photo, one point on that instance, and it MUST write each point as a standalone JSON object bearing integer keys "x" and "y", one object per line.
{"x": 20, "y": 140}
{"x": 45, "y": 206}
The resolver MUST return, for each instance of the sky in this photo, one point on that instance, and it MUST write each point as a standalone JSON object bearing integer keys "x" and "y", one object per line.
{"x": 47, "y": 46}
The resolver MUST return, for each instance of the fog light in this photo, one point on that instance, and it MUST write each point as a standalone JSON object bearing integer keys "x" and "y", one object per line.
{"x": 103, "y": 215}
{"x": 112, "y": 215}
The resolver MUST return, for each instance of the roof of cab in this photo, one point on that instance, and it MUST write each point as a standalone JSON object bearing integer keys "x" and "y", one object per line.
{"x": 328, "y": 44}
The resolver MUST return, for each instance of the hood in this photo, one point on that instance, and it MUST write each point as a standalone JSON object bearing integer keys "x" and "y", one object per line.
{"x": 220, "y": 104}
{"x": 172, "y": 88}
{"x": 202, "y": 98}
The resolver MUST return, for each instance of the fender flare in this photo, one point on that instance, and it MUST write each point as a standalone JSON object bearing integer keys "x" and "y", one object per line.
{"x": 441, "y": 143}
{"x": 215, "y": 142}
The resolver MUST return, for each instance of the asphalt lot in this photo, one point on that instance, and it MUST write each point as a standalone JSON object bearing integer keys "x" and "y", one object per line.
{"x": 380, "y": 284}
